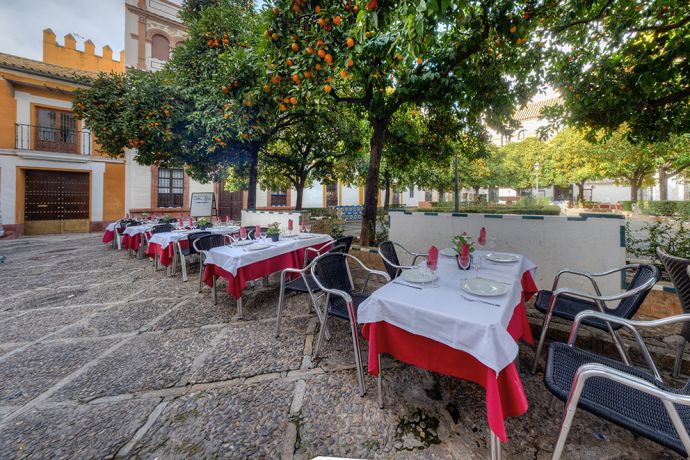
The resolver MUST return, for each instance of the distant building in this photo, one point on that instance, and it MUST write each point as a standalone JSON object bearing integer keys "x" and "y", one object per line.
{"x": 53, "y": 179}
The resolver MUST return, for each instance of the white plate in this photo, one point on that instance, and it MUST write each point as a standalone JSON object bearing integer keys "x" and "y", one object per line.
{"x": 258, "y": 247}
{"x": 418, "y": 276}
{"x": 448, "y": 252}
{"x": 243, "y": 243}
{"x": 305, "y": 236}
{"x": 502, "y": 257}
{"x": 484, "y": 287}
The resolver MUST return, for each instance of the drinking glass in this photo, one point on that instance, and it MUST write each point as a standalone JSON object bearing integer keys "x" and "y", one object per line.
{"x": 477, "y": 259}
{"x": 464, "y": 262}
{"x": 492, "y": 243}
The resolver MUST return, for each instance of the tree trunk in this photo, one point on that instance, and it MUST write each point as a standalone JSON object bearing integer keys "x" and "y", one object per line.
{"x": 253, "y": 177}
{"x": 387, "y": 199}
{"x": 368, "y": 231}
{"x": 634, "y": 190}
{"x": 581, "y": 192}
{"x": 299, "y": 188}
{"x": 663, "y": 183}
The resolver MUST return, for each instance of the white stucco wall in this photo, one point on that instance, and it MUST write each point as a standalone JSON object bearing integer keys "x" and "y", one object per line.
{"x": 263, "y": 218}
{"x": 137, "y": 183}
{"x": 350, "y": 196}
{"x": 552, "y": 243}
{"x": 313, "y": 196}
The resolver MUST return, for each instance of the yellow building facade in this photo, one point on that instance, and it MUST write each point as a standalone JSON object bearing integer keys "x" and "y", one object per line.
{"x": 53, "y": 179}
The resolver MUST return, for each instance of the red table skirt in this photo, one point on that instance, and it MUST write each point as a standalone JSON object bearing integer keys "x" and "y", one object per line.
{"x": 132, "y": 242}
{"x": 165, "y": 254}
{"x": 505, "y": 396}
{"x": 108, "y": 236}
{"x": 236, "y": 284}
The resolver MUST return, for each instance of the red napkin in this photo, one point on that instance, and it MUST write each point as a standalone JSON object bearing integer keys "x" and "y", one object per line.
{"x": 289, "y": 225}
{"x": 482, "y": 237}
{"x": 432, "y": 258}
{"x": 243, "y": 232}
{"x": 191, "y": 223}
{"x": 464, "y": 256}
{"x": 257, "y": 231}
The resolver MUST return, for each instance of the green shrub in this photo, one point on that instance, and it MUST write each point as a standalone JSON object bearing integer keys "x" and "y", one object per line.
{"x": 627, "y": 205}
{"x": 673, "y": 235}
{"x": 498, "y": 209}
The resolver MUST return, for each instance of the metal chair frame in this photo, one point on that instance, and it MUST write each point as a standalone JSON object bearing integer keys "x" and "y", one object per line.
{"x": 674, "y": 269}
{"x": 599, "y": 299}
{"x": 587, "y": 371}
{"x": 183, "y": 262}
{"x": 347, "y": 298}
{"x": 398, "y": 267}
{"x": 204, "y": 254}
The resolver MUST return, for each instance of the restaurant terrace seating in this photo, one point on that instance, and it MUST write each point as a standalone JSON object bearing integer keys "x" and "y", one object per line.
{"x": 678, "y": 269}
{"x": 389, "y": 255}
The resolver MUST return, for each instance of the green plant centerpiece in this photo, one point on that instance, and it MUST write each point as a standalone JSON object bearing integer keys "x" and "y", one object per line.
{"x": 458, "y": 241}
{"x": 273, "y": 230}
{"x": 202, "y": 223}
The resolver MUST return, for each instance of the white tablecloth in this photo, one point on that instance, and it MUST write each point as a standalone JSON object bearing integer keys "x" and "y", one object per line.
{"x": 165, "y": 238}
{"x": 231, "y": 258}
{"x": 111, "y": 227}
{"x": 136, "y": 229}
{"x": 441, "y": 314}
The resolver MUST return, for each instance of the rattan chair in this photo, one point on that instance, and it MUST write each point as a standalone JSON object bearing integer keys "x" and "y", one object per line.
{"x": 389, "y": 255}
{"x": 678, "y": 270}
{"x": 566, "y": 303}
{"x": 302, "y": 283}
{"x": 189, "y": 251}
{"x": 162, "y": 228}
{"x": 330, "y": 272}
{"x": 346, "y": 241}
{"x": 202, "y": 246}
{"x": 635, "y": 399}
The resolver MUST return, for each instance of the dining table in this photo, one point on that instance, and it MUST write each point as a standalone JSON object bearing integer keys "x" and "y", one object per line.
{"x": 246, "y": 261}
{"x": 455, "y": 326}
{"x": 132, "y": 236}
{"x": 109, "y": 233}
{"x": 163, "y": 244}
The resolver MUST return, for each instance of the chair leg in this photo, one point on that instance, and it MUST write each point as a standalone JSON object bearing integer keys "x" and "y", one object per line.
{"x": 379, "y": 382}
{"x": 213, "y": 290}
{"x": 183, "y": 263}
{"x": 542, "y": 337}
{"x": 201, "y": 272}
{"x": 281, "y": 303}
{"x": 240, "y": 313}
{"x": 319, "y": 338}
{"x": 568, "y": 415}
{"x": 495, "y": 446}
{"x": 358, "y": 358}
{"x": 678, "y": 363}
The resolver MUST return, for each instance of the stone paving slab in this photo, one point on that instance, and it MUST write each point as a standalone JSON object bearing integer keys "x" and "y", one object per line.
{"x": 85, "y": 431}
{"x": 118, "y": 319}
{"x": 251, "y": 349}
{"x": 192, "y": 313}
{"x": 242, "y": 421}
{"x": 149, "y": 361}
{"x": 30, "y": 371}
{"x": 36, "y": 324}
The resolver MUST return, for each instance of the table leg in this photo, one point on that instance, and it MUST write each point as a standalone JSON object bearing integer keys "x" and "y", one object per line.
{"x": 379, "y": 381}
{"x": 239, "y": 307}
{"x": 495, "y": 446}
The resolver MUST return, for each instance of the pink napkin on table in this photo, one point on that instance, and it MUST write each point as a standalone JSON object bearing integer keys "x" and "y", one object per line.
{"x": 432, "y": 258}
{"x": 465, "y": 250}
{"x": 257, "y": 231}
{"x": 243, "y": 232}
{"x": 482, "y": 237}
{"x": 289, "y": 225}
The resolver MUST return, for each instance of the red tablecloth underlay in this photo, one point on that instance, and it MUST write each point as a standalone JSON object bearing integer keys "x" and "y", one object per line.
{"x": 236, "y": 284}
{"x": 131, "y": 242}
{"x": 108, "y": 236}
{"x": 505, "y": 396}
{"x": 165, "y": 254}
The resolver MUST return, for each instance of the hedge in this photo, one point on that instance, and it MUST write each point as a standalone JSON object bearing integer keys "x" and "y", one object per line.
{"x": 543, "y": 211}
{"x": 665, "y": 208}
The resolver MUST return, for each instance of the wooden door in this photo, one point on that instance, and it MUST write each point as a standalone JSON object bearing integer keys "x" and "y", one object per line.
{"x": 56, "y": 202}
{"x": 230, "y": 204}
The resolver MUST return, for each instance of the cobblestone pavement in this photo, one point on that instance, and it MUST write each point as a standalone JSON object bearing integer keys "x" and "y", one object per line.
{"x": 100, "y": 356}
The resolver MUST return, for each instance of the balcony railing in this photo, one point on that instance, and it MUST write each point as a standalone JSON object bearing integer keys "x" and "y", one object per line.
{"x": 44, "y": 139}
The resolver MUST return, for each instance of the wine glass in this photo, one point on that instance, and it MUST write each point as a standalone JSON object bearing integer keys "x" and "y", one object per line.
{"x": 492, "y": 243}
{"x": 464, "y": 262}
{"x": 243, "y": 234}
{"x": 477, "y": 259}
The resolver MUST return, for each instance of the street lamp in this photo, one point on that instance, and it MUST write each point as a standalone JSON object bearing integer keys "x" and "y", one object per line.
{"x": 536, "y": 172}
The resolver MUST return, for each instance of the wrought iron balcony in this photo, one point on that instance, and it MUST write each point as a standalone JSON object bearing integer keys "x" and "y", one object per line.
{"x": 47, "y": 139}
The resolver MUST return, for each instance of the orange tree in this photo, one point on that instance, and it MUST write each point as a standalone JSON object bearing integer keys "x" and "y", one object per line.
{"x": 205, "y": 109}
{"x": 378, "y": 55}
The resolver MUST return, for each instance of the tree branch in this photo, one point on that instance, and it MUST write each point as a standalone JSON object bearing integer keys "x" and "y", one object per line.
{"x": 596, "y": 17}
{"x": 663, "y": 28}
{"x": 671, "y": 98}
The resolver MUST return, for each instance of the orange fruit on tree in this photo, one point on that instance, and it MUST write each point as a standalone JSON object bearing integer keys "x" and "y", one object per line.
{"x": 399, "y": 57}
{"x": 282, "y": 107}
{"x": 329, "y": 59}
{"x": 322, "y": 22}
{"x": 355, "y": 9}
{"x": 347, "y": 6}
{"x": 226, "y": 89}
{"x": 310, "y": 50}
{"x": 295, "y": 8}
{"x": 329, "y": 79}
{"x": 293, "y": 100}
{"x": 295, "y": 78}
{"x": 419, "y": 61}
{"x": 288, "y": 62}
{"x": 266, "y": 88}
{"x": 295, "y": 47}
{"x": 275, "y": 36}
{"x": 307, "y": 74}
{"x": 286, "y": 100}
{"x": 245, "y": 136}
{"x": 236, "y": 84}
{"x": 317, "y": 9}
{"x": 327, "y": 88}
{"x": 350, "y": 62}
{"x": 276, "y": 11}
{"x": 371, "y": 5}
{"x": 321, "y": 53}
{"x": 343, "y": 73}
{"x": 350, "y": 42}
{"x": 317, "y": 66}
{"x": 337, "y": 20}
{"x": 319, "y": 42}
{"x": 267, "y": 34}
{"x": 513, "y": 29}
{"x": 368, "y": 34}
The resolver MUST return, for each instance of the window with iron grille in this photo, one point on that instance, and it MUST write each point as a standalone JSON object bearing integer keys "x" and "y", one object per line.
{"x": 170, "y": 188}
{"x": 278, "y": 197}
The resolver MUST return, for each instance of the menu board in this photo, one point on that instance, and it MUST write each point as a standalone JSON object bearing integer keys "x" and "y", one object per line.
{"x": 203, "y": 204}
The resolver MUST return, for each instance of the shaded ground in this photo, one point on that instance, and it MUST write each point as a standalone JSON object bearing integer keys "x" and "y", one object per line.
{"x": 100, "y": 356}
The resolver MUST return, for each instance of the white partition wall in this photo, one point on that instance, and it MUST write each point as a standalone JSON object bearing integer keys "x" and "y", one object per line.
{"x": 552, "y": 242}
{"x": 263, "y": 218}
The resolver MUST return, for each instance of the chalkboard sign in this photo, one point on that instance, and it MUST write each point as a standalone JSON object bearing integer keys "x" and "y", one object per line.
{"x": 203, "y": 204}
